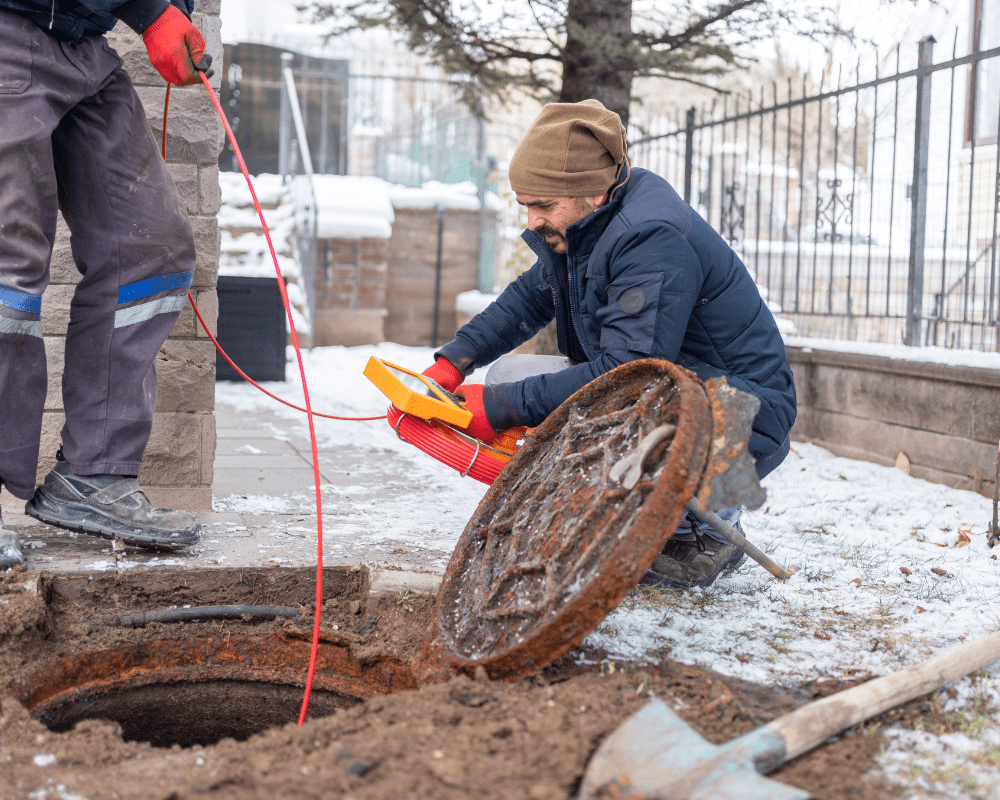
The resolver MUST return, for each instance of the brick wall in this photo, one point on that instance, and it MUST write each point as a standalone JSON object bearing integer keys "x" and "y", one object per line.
{"x": 350, "y": 291}
{"x": 177, "y": 469}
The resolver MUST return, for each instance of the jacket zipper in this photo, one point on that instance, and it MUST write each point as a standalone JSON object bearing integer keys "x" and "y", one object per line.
{"x": 571, "y": 284}
{"x": 572, "y": 301}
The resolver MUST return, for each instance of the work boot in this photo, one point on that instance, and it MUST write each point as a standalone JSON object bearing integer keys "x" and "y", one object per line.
{"x": 10, "y": 548}
{"x": 693, "y": 558}
{"x": 111, "y": 506}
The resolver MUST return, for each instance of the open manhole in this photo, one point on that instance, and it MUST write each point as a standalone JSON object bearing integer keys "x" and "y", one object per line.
{"x": 555, "y": 545}
{"x": 203, "y": 689}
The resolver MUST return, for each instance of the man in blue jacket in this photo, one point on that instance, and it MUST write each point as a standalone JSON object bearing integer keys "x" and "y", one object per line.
{"x": 74, "y": 138}
{"x": 628, "y": 270}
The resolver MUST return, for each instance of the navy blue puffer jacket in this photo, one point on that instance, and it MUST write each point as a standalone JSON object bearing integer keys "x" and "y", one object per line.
{"x": 643, "y": 276}
{"x": 71, "y": 20}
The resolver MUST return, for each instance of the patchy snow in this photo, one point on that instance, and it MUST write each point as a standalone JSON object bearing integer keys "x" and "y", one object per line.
{"x": 893, "y": 569}
{"x": 945, "y": 766}
{"x": 852, "y": 528}
{"x": 931, "y": 355}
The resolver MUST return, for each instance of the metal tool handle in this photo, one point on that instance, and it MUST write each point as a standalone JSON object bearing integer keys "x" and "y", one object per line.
{"x": 810, "y": 725}
{"x": 734, "y": 537}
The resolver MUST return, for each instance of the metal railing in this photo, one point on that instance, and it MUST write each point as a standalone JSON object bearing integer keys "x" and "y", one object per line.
{"x": 296, "y": 168}
{"x": 866, "y": 211}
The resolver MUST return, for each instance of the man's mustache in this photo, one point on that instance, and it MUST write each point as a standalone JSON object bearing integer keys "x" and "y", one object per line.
{"x": 548, "y": 230}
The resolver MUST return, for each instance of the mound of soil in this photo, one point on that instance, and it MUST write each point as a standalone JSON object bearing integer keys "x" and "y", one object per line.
{"x": 466, "y": 738}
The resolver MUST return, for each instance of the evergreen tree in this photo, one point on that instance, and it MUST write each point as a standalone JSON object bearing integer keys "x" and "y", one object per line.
{"x": 571, "y": 50}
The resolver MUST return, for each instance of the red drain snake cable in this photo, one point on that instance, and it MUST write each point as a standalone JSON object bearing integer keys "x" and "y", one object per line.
{"x": 440, "y": 441}
{"x": 454, "y": 448}
{"x": 302, "y": 372}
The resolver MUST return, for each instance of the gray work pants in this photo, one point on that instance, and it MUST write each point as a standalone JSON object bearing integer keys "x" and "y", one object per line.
{"x": 74, "y": 137}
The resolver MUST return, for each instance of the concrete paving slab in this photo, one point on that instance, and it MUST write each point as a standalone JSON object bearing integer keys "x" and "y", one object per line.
{"x": 279, "y": 530}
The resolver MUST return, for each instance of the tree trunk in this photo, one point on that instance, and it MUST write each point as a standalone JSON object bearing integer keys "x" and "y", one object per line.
{"x": 598, "y": 35}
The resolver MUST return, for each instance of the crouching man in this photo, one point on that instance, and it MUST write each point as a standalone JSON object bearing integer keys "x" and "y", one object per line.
{"x": 628, "y": 270}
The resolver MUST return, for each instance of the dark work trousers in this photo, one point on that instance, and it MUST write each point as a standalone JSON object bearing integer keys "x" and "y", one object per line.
{"x": 74, "y": 136}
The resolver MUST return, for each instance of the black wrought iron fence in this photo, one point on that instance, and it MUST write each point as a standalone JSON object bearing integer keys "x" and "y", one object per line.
{"x": 867, "y": 211}
{"x": 410, "y": 129}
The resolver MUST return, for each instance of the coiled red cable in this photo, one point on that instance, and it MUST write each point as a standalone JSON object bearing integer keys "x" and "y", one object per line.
{"x": 443, "y": 443}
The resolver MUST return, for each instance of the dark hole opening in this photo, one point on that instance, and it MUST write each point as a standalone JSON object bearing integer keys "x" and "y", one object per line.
{"x": 190, "y": 713}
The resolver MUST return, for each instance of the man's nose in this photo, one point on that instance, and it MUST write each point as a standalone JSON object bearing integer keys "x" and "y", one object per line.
{"x": 535, "y": 220}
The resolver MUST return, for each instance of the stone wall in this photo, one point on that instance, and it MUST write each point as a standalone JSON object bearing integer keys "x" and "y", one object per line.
{"x": 177, "y": 468}
{"x": 946, "y": 419}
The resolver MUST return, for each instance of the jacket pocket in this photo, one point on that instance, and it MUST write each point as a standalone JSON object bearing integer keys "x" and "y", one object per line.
{"x": 15, "y": 55}
{"x": 628, "y": 320}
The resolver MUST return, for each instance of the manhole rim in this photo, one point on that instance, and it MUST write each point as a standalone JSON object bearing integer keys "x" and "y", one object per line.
{"x": 134, "y": 665}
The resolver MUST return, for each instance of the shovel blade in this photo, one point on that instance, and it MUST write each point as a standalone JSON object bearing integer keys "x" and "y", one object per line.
{"x": 655, "y": 754}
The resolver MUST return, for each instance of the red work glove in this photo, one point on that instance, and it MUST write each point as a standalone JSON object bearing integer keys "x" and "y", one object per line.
{"x": 176, "y": 48}
{"x": 479, "y": 427}
{"x": 444, "y": 374}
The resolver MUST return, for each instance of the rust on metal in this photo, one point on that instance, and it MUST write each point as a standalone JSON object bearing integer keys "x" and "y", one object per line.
{"x": 730, "y": 478}
{"x": 271, "y": 658}
{"x": 556, "y": 543}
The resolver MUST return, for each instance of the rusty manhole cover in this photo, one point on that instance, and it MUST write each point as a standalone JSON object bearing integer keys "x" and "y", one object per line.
{"x": 557, "y": 541}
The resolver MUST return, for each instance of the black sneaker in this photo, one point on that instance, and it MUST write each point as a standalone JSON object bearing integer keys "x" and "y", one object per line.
{"x": 694, "y": 559}
{"x": 10, "y": 548}
{"x": 111, "y": 506}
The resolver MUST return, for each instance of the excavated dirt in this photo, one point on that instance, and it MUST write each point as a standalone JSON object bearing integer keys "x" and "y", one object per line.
{"x": 466, "y": 738}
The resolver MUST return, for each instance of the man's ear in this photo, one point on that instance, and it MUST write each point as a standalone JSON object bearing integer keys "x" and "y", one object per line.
{"x": 597, "y": 200}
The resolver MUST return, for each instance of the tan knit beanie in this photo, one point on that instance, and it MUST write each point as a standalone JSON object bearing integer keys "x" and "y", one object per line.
{"x": 571, "y": 150}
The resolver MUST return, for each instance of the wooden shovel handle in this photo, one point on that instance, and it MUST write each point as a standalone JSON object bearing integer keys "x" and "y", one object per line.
{"x": 808, "y": 726}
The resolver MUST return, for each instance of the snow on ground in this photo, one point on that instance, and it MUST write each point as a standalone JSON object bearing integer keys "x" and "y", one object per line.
{"x": 386, "y": 511}
{"x": 867, "y": 598}
{"x": 892, "y": 570}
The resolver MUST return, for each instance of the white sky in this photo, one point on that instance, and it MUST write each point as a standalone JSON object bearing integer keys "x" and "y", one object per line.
{"x": 884, "y": 23}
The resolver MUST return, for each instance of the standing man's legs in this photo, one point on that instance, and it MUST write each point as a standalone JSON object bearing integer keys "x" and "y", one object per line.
{"x": 29, "y": 112}
{"x": 77, "y": 132}
{"x": 134, "y": 247}
{"x": 135, "y": 250}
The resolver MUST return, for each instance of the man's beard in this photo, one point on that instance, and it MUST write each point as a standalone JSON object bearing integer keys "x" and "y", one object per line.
{"x": 548, "y": 230}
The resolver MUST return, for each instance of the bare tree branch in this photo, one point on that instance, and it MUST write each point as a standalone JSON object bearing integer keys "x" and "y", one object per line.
{"x": 599, "y": 47}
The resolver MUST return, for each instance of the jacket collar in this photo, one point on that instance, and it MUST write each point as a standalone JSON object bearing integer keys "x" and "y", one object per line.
{"x": 581, "y": 236}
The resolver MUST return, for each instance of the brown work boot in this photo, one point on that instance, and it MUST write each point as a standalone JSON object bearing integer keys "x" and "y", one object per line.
{"x": 693, "y": 559}
{"x": 10, "y": 548}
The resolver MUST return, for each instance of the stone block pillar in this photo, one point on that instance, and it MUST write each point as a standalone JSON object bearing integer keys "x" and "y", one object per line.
{"x": 177, "y": 468}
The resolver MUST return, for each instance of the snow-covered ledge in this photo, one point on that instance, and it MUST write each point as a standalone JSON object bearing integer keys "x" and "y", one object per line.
{"x": 939, "y": 407}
